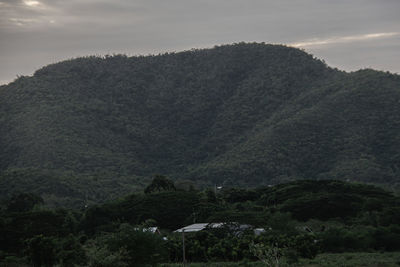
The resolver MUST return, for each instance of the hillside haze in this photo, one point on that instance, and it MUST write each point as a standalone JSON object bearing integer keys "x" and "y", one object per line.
{"x": 245, "y": 114}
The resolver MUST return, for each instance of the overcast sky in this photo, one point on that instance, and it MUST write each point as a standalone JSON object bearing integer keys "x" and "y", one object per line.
{"x": 347, "y": 34}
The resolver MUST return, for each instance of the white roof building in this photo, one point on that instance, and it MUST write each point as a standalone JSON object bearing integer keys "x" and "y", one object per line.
{"x": 198, "y": 227}
{"x": 201, "y": 226}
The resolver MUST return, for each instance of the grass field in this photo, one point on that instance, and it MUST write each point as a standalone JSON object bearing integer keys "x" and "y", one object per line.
{"x": 387, "y": 259}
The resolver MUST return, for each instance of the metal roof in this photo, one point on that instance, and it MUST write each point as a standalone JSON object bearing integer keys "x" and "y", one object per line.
{"x": 200, "y": 226}
{"x": 192, "y": 228}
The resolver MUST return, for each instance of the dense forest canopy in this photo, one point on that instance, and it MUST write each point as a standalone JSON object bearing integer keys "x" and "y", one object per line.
{"x": 297, "y": 220}
{"x": 94, "y": 128}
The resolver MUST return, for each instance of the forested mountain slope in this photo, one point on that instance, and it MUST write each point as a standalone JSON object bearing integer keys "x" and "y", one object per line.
{"x": 245, "y": 114}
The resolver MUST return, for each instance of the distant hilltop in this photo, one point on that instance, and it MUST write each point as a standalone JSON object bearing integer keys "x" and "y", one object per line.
{"x": 244, "y": 114}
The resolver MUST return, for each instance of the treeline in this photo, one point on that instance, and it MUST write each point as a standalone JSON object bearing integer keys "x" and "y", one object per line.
{"x": 299, "y": 220}
{"x": 237, "y": 115}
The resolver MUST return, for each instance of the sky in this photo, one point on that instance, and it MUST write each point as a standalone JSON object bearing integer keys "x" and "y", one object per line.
{"x": 346, "y": 34}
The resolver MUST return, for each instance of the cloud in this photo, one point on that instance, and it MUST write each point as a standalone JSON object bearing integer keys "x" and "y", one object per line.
{"x": 344, "y": 39}
{"x": 34, "y": 33}
{"x": 21, "y": 15}
{"x": 32, "y": 3}
{"x": 22, "y": 21}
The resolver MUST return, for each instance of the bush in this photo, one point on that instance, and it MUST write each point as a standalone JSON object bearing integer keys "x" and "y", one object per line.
{"x": 128, "y": 246}
{"x": 41, "y": 250}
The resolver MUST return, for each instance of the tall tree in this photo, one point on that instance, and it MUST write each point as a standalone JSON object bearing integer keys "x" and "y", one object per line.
{"x": 160, "y": 183}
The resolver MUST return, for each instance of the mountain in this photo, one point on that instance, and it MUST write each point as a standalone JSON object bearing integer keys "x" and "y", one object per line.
{"x": 93, "y": 128}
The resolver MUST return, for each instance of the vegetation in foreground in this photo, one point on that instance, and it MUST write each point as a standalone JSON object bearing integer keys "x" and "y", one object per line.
{"x": 366, "y": 259}
{"x": 301, "y": 219}
{"x": 349, "y": 259}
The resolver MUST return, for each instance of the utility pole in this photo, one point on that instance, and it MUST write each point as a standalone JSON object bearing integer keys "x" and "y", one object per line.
{"x": 183, "y": 247}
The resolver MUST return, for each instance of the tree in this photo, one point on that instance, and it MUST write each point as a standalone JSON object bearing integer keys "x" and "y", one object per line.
{"x": 23, "y": 202}
{"x": 41, "y": 250}
{"x": 129, "y": 246}
{"x": 269, "y": 254}
{"x": 160, "y": 183}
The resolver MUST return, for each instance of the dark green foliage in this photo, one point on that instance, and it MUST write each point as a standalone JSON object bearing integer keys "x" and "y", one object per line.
{"x": 129, "y": 246}
{"x": 63, "y": 190}
{"x": 71, "y": 252}
{"x": 270, "y": 248}
{"x": 306, "y": 245}
{"x": 91, "y": 129}
{"x": 41, "y": 251}
{"x": 23, "y": 202}
{"x": 47, "y": 251}
{"x": 169, "y": 209}
{"x": 281, "y": 223}
{"x": 296, "y": 225}
{"x": 323, "y": 206}
{"x": 390, "y": 215}
{"x": 387, "y": 238}
{"x": 100, "y": 256}
{"x": 326, "y": 199}
{"x": 360, "y": 238}
{"x": 160, "y": 183}
{"x": 212, "y": 245}
{"x": 233, "y": 195}
{"x": 231, "y": 244}
{"x": 18, "y": 227}
{"x": 304, "y": 200}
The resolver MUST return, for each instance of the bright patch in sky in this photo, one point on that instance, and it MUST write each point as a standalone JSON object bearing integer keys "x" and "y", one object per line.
{"x": 21, "y": 21}
{"x": 32, "y": 3}
{"x": 344, "y": 39}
